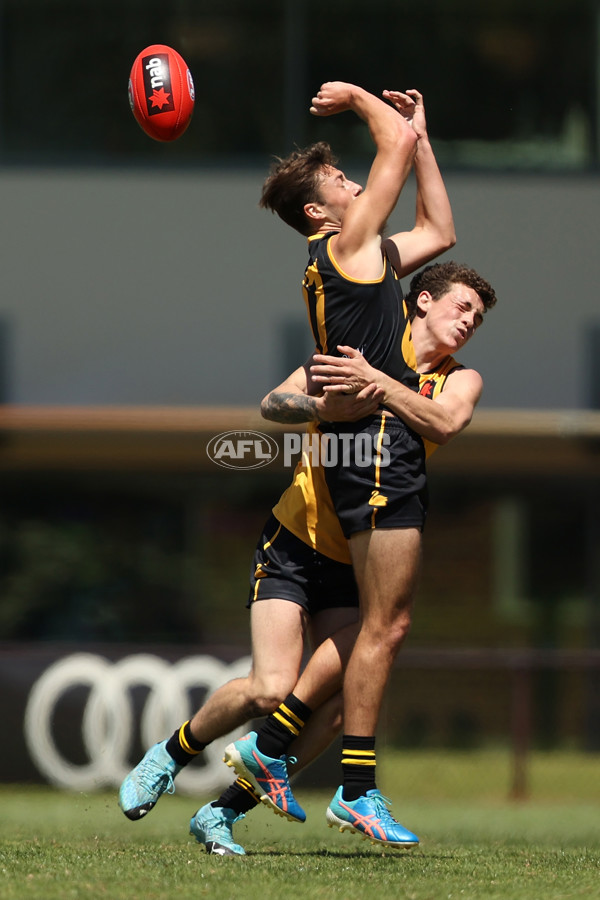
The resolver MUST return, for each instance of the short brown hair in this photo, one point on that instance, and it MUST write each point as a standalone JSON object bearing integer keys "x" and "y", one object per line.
{"x": 439, "y": 278}
{"x": 294, "y": 182}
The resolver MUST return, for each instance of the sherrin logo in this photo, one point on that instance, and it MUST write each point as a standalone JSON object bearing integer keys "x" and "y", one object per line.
{"x": 190, "y": 84}
{"x": 242, "y": 449}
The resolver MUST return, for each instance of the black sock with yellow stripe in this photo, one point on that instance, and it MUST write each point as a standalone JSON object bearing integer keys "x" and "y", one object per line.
{"x": 282, "y": 726}
{"x": 239, "y": 796}
{"x": 183, "y": 746}
{"x": 358, "y": 766}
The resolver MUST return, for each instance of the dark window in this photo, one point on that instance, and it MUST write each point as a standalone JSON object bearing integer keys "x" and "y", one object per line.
{"x": 506, "y": 84}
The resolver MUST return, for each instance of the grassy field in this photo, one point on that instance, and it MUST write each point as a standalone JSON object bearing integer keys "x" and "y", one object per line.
{"x": 475, "y": 842}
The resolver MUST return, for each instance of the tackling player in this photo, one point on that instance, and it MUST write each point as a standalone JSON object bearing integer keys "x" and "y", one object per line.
{"x": 332, "y": 214}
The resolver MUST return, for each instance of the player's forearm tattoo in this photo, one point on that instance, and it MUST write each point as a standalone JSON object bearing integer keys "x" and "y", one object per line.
{"x": 289, "y": 408}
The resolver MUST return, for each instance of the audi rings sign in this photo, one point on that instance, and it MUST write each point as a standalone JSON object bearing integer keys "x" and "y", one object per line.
{"x": 109, "y": 722}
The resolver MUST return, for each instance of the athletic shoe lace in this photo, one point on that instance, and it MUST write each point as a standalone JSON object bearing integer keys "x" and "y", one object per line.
{"x": 152, "y": 776}
{"x": 288, "y": 761}
{"x": 229, "y": 818}
{"x": 381, "y": 805}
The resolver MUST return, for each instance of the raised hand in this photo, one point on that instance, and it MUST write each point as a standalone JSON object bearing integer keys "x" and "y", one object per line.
{"x": 410, "y": 105}
{"x": 333, "y": 97}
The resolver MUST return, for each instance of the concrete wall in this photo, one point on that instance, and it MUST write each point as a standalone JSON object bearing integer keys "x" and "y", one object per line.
{"x": 139, "y": 286}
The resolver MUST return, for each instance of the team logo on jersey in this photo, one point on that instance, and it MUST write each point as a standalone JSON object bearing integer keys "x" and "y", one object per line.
{"x": 378, "y": 499}
{"x": 427, "y": 388}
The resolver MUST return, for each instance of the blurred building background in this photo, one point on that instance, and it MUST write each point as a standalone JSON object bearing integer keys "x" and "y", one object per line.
{"x": 133, "y": 271}
{"x": 136, "y": 274}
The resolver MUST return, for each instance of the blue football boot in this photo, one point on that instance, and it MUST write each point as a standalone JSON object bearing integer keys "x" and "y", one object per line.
{"x": 267, "y": 775}
{"x": 212, "y": 826}
{"x": 150, "y": 779}
{"x": 369, "y": 817}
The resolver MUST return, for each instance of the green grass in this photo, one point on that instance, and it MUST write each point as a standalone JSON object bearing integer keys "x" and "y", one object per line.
{"x": 475, "y": 842}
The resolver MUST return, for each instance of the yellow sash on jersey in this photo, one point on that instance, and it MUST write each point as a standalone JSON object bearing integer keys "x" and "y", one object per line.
{"x": 306, "y": 508}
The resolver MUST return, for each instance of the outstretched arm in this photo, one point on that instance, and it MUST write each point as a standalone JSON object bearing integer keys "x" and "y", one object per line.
{"x": 433, "y": 232}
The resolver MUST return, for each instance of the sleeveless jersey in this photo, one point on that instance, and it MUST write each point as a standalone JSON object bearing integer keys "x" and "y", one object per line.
{"x": 306, "y": 508}
{"x": 370, "y": 316}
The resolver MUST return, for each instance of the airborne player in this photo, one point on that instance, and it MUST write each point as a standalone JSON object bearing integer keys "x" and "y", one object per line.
{"x": 297, "y": 586}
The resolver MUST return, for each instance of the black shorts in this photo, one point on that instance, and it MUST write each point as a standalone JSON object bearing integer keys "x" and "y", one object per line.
{"x": 379, "y": 478}
{"x": 286, "y": 568}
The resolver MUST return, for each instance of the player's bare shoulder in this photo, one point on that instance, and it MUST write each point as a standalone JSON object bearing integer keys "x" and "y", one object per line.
{"x": 359, "y": 257}
{"x": 466, "y": 382}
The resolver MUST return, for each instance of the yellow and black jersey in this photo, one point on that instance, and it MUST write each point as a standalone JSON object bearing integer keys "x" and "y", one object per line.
{"x": 370, "y": 316}
{"x": 306, "y": 507}
{"x": 431, "y": 384}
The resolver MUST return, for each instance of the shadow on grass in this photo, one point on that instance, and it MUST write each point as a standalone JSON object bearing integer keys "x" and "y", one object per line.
{"x": 348, "y": 854}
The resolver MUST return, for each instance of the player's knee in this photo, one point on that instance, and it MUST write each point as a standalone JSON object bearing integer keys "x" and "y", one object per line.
{"x": 391, "y": 634}
{"x": 398, "y": 633}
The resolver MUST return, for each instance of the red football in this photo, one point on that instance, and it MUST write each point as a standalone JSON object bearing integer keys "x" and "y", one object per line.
{"x": 161, "y": 92}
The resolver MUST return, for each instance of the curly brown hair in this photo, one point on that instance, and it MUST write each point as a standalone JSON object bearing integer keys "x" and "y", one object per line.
{"x": 295, "y": 181}
{"x": 439, "y": 278}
